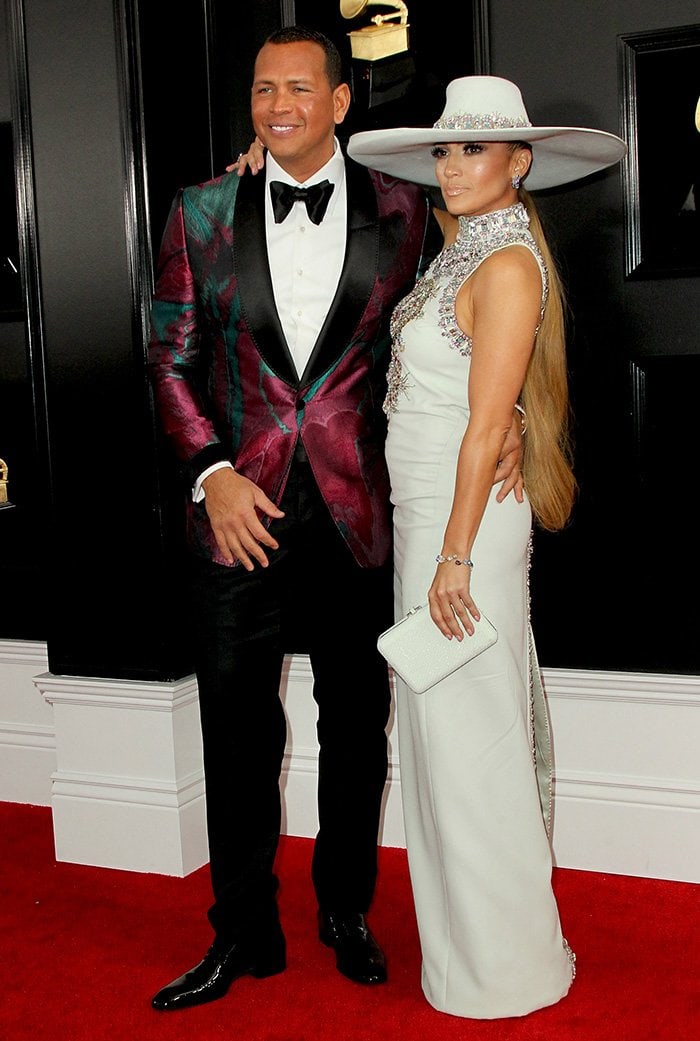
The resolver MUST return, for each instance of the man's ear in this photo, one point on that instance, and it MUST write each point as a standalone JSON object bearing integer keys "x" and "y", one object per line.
{"x": 341, "y": 102}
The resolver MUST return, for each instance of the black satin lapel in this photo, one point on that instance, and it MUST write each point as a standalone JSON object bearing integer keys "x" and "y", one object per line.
{"x": 252, "y": 272}
{"x": 357, "y": 278}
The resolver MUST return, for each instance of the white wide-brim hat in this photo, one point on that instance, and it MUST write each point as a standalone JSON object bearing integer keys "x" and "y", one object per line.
{"x": 488, "y": 108}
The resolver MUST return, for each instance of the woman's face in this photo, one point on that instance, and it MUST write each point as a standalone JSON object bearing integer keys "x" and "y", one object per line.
{"x": 475, "y": 177}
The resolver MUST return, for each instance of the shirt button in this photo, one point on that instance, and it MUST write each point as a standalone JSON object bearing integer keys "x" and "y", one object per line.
{"x": 300, "y": 271}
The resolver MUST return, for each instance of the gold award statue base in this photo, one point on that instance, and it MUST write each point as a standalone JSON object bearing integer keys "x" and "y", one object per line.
{"x": 378, "y": 41}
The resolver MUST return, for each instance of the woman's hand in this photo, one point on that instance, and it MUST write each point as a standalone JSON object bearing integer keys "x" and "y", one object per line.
{"x": 510, "y": 462}
{"x": 449, "y": 599}
{"x": 253, "y": 159}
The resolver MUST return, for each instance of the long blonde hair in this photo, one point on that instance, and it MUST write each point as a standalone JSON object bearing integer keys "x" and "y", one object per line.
{"x": 547, "y": 473}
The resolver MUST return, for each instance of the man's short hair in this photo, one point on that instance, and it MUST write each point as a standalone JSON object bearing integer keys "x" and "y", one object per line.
{"x": 301, "y": 34}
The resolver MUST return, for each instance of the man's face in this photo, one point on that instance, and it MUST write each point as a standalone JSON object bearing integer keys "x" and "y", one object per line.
{"x": 294, "y": 110}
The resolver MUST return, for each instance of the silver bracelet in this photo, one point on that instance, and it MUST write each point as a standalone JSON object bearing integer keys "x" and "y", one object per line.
{"x": 452, "y": 557}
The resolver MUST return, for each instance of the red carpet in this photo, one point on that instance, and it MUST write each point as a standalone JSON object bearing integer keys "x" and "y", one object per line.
{"x": 82, "y": 950}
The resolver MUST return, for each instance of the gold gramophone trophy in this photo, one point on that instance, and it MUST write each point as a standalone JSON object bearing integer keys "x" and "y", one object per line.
{"x": 384, "y": 36}
{"x": 383, "y": 68}
{"x": 5, "y": 503}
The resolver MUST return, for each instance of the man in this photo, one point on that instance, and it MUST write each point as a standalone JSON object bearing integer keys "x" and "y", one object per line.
{"x": 268, "y": 355}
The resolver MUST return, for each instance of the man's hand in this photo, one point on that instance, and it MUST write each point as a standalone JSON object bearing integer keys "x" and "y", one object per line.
{"x": 509, "y": 465}
{"x": 233, "y": 505}
{"x": 253, "y": 159}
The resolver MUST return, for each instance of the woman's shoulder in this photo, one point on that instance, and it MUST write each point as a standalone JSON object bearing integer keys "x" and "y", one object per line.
{"x": 508, "y": 278}
{"x": 515, "y": 265}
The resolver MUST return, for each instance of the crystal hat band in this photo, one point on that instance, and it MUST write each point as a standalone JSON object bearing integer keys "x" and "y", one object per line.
{"x": 488, "y": 108}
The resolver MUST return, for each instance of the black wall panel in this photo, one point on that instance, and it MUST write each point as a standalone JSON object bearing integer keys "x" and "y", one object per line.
{"x": 24, "y": 525}
{"x": 118, "y": 123}
{"x": 617, "y": 589}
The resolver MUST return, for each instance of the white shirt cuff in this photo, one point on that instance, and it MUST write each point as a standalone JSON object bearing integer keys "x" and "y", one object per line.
{"x": 197, "y": 490}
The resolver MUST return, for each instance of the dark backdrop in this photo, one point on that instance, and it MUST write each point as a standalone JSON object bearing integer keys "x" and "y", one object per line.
{"x": 117, "y": 123}
{"x": 617, "y": 589}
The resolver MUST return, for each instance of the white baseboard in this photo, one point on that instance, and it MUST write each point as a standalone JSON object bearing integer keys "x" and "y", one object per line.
{"x": 628, "y": 826}
{"x": 128, "y": 788}
{"x": 137, "y": 826}
{"x": 627, "y": 772}
{"x": 27, "y": 740}
{"x": 121, "y": 764}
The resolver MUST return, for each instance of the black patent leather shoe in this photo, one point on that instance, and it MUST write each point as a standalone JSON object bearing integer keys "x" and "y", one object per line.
{"x": 357, "y": 954}
{"x": 220, "y": 966}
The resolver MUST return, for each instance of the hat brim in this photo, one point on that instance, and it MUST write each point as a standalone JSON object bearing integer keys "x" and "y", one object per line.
{"x": 559, "y": 154}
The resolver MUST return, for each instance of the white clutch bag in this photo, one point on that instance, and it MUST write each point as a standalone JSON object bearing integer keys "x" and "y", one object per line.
{"x": 416, "y": 649}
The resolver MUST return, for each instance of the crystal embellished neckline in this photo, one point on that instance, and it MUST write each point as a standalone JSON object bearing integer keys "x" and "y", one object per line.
{"x": 484, "y": 227}
{"x": 478, "y": 237}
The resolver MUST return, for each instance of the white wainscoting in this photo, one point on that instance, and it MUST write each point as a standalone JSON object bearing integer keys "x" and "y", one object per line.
{"x": 627, "y": 767}
{"x": 27, "y": 742}
{"x": 120, "y": 762}
{"x": 128, "y": 790}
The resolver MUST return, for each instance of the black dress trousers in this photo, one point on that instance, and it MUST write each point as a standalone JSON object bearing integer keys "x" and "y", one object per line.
{"x": 316, "y": 598}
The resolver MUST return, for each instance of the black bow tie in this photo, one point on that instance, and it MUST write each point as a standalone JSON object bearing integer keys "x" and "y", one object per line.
{"x": 316, "y": 197}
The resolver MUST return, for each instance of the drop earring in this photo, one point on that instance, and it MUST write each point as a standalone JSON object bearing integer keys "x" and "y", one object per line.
{"x": 515, "y": 181}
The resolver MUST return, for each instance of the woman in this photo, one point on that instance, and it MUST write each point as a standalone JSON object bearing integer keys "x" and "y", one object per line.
{"x": 481, "y": 332}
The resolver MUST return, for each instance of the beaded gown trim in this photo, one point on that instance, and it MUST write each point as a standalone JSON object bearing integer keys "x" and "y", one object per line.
{"x": 477, "y": 239}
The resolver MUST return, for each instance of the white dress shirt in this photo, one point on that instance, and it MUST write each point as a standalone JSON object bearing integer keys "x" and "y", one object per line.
{"x": 305, "y": 262}
{"x": 306, "y": 259}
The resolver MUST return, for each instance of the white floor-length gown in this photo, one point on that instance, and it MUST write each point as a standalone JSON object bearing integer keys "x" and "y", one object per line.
{"x": 474, "y": 750}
